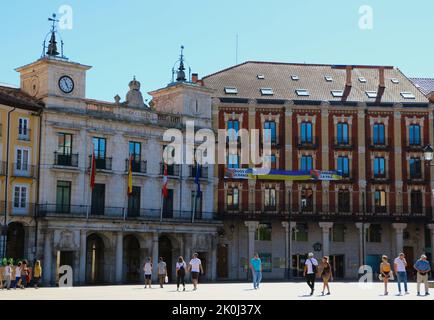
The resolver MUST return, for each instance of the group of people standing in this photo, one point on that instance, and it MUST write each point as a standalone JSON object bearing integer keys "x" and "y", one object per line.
{"x": 312, "y": 269}
{"x": 20, "y": 275}
{"x": 194, "y": 267}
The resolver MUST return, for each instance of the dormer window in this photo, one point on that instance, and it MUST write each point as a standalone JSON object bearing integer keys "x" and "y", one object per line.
{"x": 337, "y": 93}
{"x": 231, "y": 90}
{"x": 371, "y": 94}
{"x": 266, "y": 91}
{"x": 260, "y": 76}
{"x": 302, "y": 92}
{"x": 295, "y": 77}
{"x": 394, "y": 80}
{"x": 362, "y": 79}
{"x": 408, "y": 95}
{"x": 328, "y": 78}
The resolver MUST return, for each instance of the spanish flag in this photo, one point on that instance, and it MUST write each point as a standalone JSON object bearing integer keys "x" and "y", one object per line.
{"x": 130, "y": 176}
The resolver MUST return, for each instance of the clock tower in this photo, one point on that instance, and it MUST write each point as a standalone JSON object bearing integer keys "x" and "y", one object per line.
{"x": 53, "y": 76}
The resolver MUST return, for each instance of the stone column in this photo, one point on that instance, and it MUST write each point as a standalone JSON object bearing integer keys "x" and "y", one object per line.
{"x": 286, "y": 226}
{"x": 83, "y": 251}
{"x": 155, "y": 256}
{"x": 326, "y": 226}
{"x": 48, "y": 255}
{"x": 399, "y": 233}
{"x": 252, "y": 194}
{"x": 363, "y": 227}
{"x": 119, "y": 256}
{"x": 252, "y": 226}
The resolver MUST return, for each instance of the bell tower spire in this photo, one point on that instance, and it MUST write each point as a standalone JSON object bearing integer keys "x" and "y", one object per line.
{"x": 179, "y": 72}
{"x": 51, "y": 49}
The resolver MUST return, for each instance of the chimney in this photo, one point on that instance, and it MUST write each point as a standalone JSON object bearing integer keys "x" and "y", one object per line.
{"x": 348, "y": 80}
{"x": 381, "y": 78}
{"x": 194, "y": 77}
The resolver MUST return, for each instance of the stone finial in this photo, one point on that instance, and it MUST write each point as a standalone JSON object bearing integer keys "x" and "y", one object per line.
{"x": 117, "y": 99}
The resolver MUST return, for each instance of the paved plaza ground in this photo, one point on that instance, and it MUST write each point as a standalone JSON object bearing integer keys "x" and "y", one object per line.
{"x": 216, "y": 291}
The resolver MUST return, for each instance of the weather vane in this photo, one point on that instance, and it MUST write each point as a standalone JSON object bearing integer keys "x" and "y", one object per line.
{"x": 53, "y": 20}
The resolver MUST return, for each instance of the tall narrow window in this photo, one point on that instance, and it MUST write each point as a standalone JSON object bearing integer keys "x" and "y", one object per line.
{"x": 270, "y": 199}
{"x": 232, "y": 199}
{"x": 64, "y": 150}
{"x": 99, "y": 145}
{"x": 342, "y": 133}
{"x": 379, "y": 167}
{"x": 414, "y": 135}
{"x": 270, "y": 131}
{"x": 307, "y": 199}
{"x": 416, "y": 201}
{"x": 306, "y": 163}
{"x": 379, "y": 134}
{"x": 63, "y": 197}
{"x": 415, "y": 168}
{"x": 23, "y": 129}
{"x": 306, "y": 135}
{"x": 20, "y": 197}
{"x": 135, "y": 150}
{"x": 233, "y": 161}
{"x": 344, "y": 200}
{"x": 380, "y": 201}
{"x": 134, "y": 202}
{"x": 344, "y": 166}
{"x": 233, "y": 128}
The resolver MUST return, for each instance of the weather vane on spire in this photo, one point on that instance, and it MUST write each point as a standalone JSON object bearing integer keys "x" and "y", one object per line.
{"x": 180, "y": 71}
{"x": 52, "y": 44}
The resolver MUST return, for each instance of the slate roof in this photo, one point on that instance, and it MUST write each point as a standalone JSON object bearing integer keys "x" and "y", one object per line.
{"x": 17, "y": 98}
{"x": 311, "y": 77}
{"x": 425, "y": 85}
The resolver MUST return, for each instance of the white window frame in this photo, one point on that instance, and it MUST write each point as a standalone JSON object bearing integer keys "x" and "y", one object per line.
{"x": 24, "y": 172}
{"x": 20, "y": 209}
{"x": 21, "y": 134}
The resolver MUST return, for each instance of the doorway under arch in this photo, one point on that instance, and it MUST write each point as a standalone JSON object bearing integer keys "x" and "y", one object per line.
{"x": 132, "y": 259}
{"x": 94, "y": 259}
{"x": 15, "y": 241}
{"x": 165, "y": 250}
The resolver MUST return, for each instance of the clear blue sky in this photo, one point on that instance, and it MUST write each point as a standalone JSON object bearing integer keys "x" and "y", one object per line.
{"x": 136, "y": 37}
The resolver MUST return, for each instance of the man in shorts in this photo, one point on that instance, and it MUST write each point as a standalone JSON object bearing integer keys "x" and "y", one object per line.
{"x": 195, "y": 267}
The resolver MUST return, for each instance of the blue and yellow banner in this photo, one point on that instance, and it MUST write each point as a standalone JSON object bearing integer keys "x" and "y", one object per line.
{"x": 284, "y": 175}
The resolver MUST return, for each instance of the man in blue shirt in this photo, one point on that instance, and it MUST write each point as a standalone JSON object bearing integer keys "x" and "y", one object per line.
{"x": 256, "y": 267}
{"x": 423, "y": 268}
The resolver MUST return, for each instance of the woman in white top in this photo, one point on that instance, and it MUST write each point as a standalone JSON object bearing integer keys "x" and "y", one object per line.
{"x": 181, "y": 268}
{"x": 18, "y": 276}
{"x": 8, "y": 275}
{"x": 148, "y": 272}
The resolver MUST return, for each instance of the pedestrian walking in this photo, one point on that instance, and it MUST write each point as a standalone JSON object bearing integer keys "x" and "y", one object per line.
{"x": 195, "y": 267}
{"x": 256, "y": 267}
{"x": 18, "y": 275}
{"x": 162, "y": 271}
{"x": 400, "y": 265}
{"x": 37, "y": 274}
{"x": 310, "y": 270}
{"x": 385, "y": 272}
{"x": 147, "y": 269}
{"x": 423, "y": 268}
{"x": 24, "y": 274}
{"x": 181, "y": 268}
{"x": 326, "y": 274}
{"x": 8, "y": 275}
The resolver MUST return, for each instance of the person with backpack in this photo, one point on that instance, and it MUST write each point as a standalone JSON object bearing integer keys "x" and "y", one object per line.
{"x": 181, "y": 268}
{"x": 310, "y": 270}
{"x": 423, "y": 268}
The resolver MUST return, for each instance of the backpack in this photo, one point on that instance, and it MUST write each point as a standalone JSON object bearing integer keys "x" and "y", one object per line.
{"x": 314, "y": 267}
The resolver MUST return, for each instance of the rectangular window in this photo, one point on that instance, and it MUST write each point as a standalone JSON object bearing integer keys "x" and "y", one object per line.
{"x": 63, "y": 197}
{"x": 306, "y": 163}
{"x": 302, "y": 92}
{"x": 380, "y": 201}
{"x": 134, "y": 202}
{"x": 233, "y": 128}
{"x": 307, "y": 200}
{"x": 342, "y": 133}
{"x": 231, "y": 90}
{"x": 267, "y": 91}
{"x": 379, "y": 134}
{"x": 338, "y": 232}
{"x": 306, "y": 134}
{"x": 22, "y": 158}
{"x": 415, "y": 168}
{"x": 337, "y": 93}
{"x": 371, "y": 94}
{"x": 416, "y": 201}
{"x": 414, "y": 135}
{"x": 135, "y": 150}
{"x": 263, "y": 233}
{"x": 23, "y": 129}
{"x": 232, "y": 199}
{"x": 374, "y": 233}
{"x": 20, "y": 197}
{"x": 344, "y": 166}
{"x": 379, "y": 167}
{"x": 64, "y": 144}
{"x": 99, "y": 145}
{"x": 344, "y": 201}
{"x": 270, "y": 131}
{"x": 270, "y": 199}
{"x": 98, "y": 200}
{"x": 301, "y": 233}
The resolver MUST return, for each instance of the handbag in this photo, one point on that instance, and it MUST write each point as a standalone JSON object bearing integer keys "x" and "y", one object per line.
{"x": 166, "y": 279}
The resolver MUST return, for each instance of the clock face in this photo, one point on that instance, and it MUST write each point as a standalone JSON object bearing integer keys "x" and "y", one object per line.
{"x": 66, "y": 84}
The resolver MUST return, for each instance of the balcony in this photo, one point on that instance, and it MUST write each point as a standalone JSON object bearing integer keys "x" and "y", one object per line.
{"x": 303, "y": 143}
{"x": 66, "y": 160}
{"x": 343, "y": 144}
{"x": 203, "y": 172}
{"x": 24, "y": 170}
{"x": 17, "y": 208}
{"x": 101, "y": 163}
{"x": 173, "y": 170}
{"x": 414, "y": 145}
{"x": 137, "y": 166}
{"x": 380, "y": 144}
{"x": 24, "y": 134}
{"x": 67, "y": 211}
